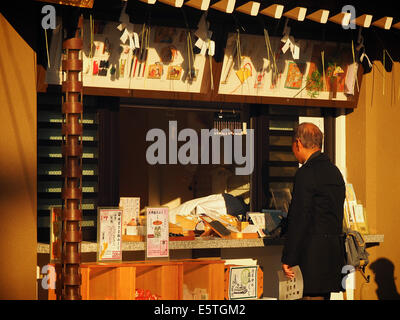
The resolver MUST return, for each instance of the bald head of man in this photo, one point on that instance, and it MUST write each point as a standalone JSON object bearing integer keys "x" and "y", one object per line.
{"x": 307, "y": 139}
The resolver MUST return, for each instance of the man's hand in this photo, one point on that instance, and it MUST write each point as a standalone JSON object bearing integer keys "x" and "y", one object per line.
{"x": 287, "y": 271}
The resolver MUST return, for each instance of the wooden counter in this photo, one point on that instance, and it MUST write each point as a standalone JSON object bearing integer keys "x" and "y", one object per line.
{"x": 201, "y": 243}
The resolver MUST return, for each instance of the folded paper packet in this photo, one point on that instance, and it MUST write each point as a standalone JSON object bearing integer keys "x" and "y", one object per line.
{"x": 244, "y": 72}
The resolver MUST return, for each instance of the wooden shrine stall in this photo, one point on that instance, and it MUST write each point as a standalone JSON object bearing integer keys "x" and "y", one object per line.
{"x": 128, "y": 95}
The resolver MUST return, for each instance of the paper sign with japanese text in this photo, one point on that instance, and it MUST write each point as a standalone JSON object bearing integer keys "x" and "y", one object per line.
{"x": 109, "y": 234}
{"x": 157, "y": 233}
{"x": 243, "y": 282}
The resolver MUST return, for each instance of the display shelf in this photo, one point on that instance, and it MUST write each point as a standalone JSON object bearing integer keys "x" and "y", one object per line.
{"x": 203, "y": 279}
{"x": 164, "y": 279}
{"x": 108, "y": 282}
{"x": 119, "y": 280}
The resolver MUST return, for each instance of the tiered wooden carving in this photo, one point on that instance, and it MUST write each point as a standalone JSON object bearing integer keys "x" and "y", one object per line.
{"x": 72, "y": 110}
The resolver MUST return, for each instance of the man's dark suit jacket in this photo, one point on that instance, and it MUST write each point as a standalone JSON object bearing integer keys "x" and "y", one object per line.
{"x": 315, "y": 225}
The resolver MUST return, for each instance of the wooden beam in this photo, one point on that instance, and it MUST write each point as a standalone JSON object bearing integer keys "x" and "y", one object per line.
{"x": 273, "y": 11}
{"x": 384, "y": 23}
{"x": 173, "y": 3}
{"x": 198, "y": 4}
{"x": 342, "y": 18}
{"x": 298, "y": 13}
{"x": 148, "y": 1}
{"x": 396, "y": 25}
{"x": 164, "y": 95}
{"x": 363, "y": 21}
{"x": 320, "y": 16}
{"x": 251, "y": 8}
{"x": 75, "y": 3}
{"x": 226, "y": 6}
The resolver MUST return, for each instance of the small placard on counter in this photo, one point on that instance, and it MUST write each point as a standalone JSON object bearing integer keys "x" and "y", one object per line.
{"x": 157, "y": 233}
{"x": 130, "y": 216}
{"x": 109, "y": 234}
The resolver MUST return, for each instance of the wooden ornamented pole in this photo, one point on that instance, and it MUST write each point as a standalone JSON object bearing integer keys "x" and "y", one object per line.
{"x": 72, "y": 110}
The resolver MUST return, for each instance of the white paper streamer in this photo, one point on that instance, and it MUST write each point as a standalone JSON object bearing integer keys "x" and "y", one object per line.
{"x": 361, "y": 46}
{"x": 127, "y": 27}
{"x": 204, "y": 42}
{"x": 290, "y": 43}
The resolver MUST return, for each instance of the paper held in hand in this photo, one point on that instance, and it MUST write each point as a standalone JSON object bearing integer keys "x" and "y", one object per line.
{"x": 291, "y": 289}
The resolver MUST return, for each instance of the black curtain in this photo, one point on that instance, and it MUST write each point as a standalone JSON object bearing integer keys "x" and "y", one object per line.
{"x": 108, "y": 165}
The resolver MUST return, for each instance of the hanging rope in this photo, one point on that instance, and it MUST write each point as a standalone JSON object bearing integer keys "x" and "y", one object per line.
{"x": 190, "y": 54}
{"x": 146, "y": 50}
{"x": 354, "y": 63}
{"x": 384, "y": 71}
{"x": 270, "y": 53}
{"x": 91, "y": 25}
{"x": 385, "y": 52}
{"x": 47, "y": 48}
{"x": 238, "y": 50}
{"x": 323, "y": 70}
{"x": 211, "y": 71}
{"x": 189, "y": 44}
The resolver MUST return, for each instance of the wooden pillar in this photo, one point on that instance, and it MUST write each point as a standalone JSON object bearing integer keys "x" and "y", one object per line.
{"x": 72, "y": 150}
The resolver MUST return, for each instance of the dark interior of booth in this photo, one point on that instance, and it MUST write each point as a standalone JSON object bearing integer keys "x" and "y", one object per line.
{"x": 115, "y": 147}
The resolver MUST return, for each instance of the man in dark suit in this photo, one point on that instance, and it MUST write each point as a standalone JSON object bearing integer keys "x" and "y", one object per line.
{"x": 314, "y": 238}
